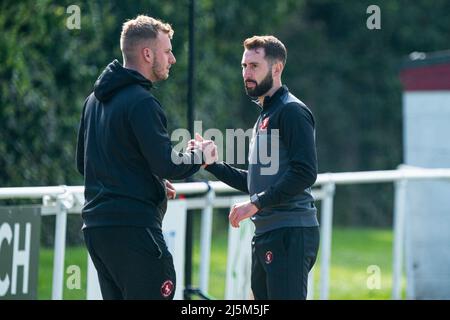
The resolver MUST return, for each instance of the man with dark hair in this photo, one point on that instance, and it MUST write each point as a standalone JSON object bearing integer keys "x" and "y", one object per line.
{"x": 125, "y": 155}
{"x": 281, "y": 205}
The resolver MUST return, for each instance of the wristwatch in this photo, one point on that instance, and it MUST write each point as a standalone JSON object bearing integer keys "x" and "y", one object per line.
{"x": 255, "y": 200}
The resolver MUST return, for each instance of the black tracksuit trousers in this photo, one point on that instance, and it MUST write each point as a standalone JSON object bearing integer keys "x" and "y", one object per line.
{"x": 131, "y": 262}
{"x": 281, "y": 261}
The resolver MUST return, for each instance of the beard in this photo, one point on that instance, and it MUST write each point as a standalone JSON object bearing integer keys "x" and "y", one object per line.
{"x": 158, "y": 71}
{"x": 261, "y": 88}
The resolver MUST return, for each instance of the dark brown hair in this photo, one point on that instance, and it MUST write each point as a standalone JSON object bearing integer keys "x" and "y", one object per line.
{"x": 274, "y": 48}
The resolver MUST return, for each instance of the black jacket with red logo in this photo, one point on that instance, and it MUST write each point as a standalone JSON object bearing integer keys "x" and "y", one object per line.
{"x": 282, "y": 164}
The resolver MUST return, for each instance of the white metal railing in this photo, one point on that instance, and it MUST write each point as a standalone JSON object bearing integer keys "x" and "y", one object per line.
{"x": 61, "y": 200}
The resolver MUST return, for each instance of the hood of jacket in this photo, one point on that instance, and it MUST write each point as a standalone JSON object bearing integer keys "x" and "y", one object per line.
{"x": 114, "y": 78}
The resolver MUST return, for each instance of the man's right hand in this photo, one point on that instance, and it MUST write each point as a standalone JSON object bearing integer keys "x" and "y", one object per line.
{"x": 208, "y": 148}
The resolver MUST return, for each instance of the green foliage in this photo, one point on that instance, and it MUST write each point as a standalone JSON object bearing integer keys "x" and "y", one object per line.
{"x": 46, "y": 66}
{"x": 346, "y": 73}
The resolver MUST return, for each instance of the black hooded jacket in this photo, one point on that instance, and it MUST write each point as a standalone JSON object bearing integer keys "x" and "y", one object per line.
{"x": 124, "y": 152}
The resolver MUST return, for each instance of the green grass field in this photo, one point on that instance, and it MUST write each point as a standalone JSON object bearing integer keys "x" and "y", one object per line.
{"x": 353, "y": 252}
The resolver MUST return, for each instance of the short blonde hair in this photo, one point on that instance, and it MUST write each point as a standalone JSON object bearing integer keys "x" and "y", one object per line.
{"x": 141, "y": 28}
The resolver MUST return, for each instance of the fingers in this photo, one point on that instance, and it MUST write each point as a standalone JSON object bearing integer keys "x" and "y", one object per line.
{"x": 170, "y": 190}
{"x": 171, "y": 194}
{"x": 233, "y": 217}
{"x": 169, "y": 184}
{"x": 210, "y": 152}
{"x": 198, "y": 137}
{"x": 215, "y": 153}
{"x": 208, "y": 147}
{"x": 191, "y": 145}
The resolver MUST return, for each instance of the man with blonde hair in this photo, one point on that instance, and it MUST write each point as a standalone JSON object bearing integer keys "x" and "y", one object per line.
{"x": 146, "y": 48}
{"x": 125, "y": 155}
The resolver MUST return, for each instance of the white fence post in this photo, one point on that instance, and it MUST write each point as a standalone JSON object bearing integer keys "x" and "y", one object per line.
{"x": 399, "y": 238}
{"x": 205, "y": 241}
{"x": 239, "y": 256}
{"x": 60, "y": 247}
{"x": 327, "y": 224}
{"x": 93, "y": 291}
{"x": 310, "y": 293}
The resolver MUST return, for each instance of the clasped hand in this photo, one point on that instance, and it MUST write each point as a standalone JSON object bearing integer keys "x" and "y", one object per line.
{"x": 208, "y": 148}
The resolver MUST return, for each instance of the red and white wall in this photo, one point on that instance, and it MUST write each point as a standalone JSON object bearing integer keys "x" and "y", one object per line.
{"x": 426, "y": 138}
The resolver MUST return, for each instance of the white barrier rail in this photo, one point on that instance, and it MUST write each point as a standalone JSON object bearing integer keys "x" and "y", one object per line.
{"x": 61, "y": 200}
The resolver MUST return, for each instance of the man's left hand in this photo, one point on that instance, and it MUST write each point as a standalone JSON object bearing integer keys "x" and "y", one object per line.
{"x": 170, "y": 190}
{"x": 240, "y": 212}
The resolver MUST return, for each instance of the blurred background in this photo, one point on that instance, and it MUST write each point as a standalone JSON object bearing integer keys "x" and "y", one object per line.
{"x": 346, "y": 73}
